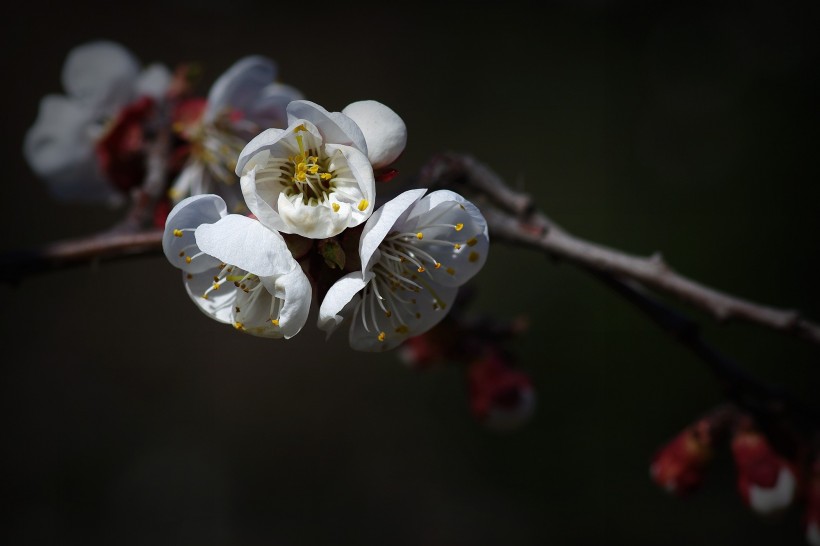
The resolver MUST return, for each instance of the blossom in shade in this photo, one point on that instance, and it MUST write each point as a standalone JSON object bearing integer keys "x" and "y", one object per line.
{"x": 314, "y": 178}
{"x": 235, "y": 269}
{"x": 501, "y": 396}
{"x": 100, "y": 78}
{"x": 679, "y": 466}
{"x": 766, "y": 480}
{"x": 415, "y": 251}
{"x": 242, "y": 102}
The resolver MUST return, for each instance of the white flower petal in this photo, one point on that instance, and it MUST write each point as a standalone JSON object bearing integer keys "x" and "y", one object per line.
{"x": 186, "y": 216}
{"x": 776, "y": 498}
{"x": 258, "y": 204}
{"x": 335, "y": 127}
{"x": 270, "y": 107}
{"x": 442, "y": 196}
{"x": 59, "y": 149}
{"x": 382, "y": 222}
{"x": 340, "y": 295}
{"x": 383, "y": 130}
{"x": 240, "y": 86}
{"x": 312, "y": 221}
{"x": 101, "y": 75}
{"x": 468, "y": 249}
{"x": 219, "y": 304}
{"x": 294, "y": 290}
{"x": 247, "y": 244}
{"x": 371, "y": 329}
{"x": 153, "y": 81}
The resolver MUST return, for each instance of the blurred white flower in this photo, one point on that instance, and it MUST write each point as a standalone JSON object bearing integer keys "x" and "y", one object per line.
{"x": 415, "y": 251}
{"x": 315, "y": 178}
{"x": 100, "y": 78}
{"x": 242, "y": 102}
{"x": 235, "y": 269}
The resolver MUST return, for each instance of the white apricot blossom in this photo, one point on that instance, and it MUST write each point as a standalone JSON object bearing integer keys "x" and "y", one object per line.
{"x": 235, "y": 269}
{"x": 416, "y": 251}
{"x": 242, "y": 102}
{"x": 315, "y": 178}
{"x": 100, "y": 78}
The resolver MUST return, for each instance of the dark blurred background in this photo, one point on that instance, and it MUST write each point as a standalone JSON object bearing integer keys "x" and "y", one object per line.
{"x": 131, "y": 418}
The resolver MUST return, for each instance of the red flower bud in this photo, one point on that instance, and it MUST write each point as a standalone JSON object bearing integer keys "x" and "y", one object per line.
{"x": 500, "y": 396}
{"x": 767, "y": 482}
{"x": 679, "y": 466}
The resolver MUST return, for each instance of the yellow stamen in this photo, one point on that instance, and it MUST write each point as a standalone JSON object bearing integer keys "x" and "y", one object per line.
{"x": 389, "y": 313}
{"x": 419, "y": 235}
{"x": 421, "y": 269}
{"x": 363, "y": 205}
{"x": 177, "y": 233}
{"x": 335, "y": 207}
{"x": 325, "y": 176}
{"x": 451, "y": 271}
{"x": 216, "y": 286}
{"x": 457, "y": 246}
{"x": 473, "y": 257}
{"x": 438, "y": 265}
{"x": 275, "y": 322}
{"x": 238, "y": 325}
{"x": 402, "y": 329}
{"x": 459, "y": 227}
{"x": 187, "y": 259}
{"x": 381, "y": 336}
{"x": 472, "y": 242}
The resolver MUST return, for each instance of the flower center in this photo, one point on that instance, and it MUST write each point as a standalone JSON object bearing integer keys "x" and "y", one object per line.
{"x": 310, "y": 174}
{"x": 217, "y": 148}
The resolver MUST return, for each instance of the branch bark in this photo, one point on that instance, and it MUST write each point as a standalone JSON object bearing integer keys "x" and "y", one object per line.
{"x": 16, "y": 266}
{"x": 515, "y": 220}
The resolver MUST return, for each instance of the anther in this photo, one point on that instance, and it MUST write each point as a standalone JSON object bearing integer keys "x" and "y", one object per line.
{"x": 473, "y": 257}
{"x": 335, "y": 207}
{"x": 419, "y": 235}
{"x": 187, "y": 259}
{"x": 421, "y": 269}
{"x": 438, "y": 265}
{"x": 275, "y": 322}
{"x": 451, "y": 271}
{"x": 381, "y": 336}
{"x": 459, "y": 227}
{"x": 457, "y": 246}
{"x": 177, "y": 233}
{"x": 363, "y": 205}
{"x": 472, "y": 242}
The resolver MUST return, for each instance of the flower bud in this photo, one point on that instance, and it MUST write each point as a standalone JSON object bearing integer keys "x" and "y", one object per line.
{"x": 766, "y": 481}
{"x": 679, "y": 466}
{"x": 500, "y": 396}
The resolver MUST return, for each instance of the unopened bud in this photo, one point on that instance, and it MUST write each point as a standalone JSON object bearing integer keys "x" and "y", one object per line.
{"x": 767, "y": 482}
{"x": 500, "y": 396}
{"x": 680, "y": 465}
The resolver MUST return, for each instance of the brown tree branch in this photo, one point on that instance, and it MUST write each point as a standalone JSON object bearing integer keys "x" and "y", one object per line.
{"x": 515, "y": 220}
{"x": 18, "y": 265}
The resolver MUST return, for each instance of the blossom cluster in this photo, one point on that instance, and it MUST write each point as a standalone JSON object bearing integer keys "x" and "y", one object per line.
{"x": 262, "y": 182}
{"x": 314, "y": 181}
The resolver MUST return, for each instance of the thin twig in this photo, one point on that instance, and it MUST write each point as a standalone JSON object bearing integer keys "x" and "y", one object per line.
{"x": 18, "y": 265}
{"x": 523, "y": 225}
